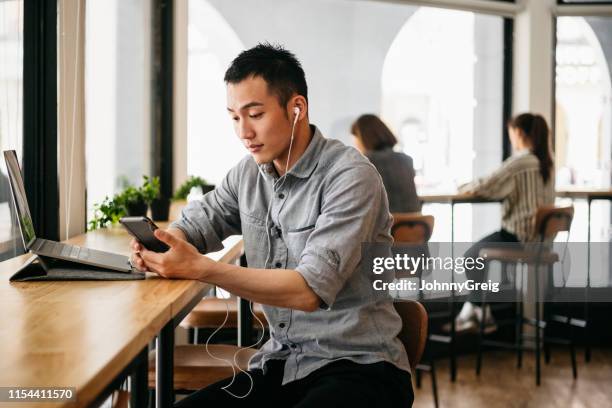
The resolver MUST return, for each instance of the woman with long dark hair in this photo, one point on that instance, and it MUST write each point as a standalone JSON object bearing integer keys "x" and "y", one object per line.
{"x": 524, "y": 182}
{"x": 375, "y": 141}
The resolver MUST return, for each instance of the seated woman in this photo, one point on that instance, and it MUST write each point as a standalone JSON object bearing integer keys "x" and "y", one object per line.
{"x": 375, "y": 141}
{"x": 524, "y": 182}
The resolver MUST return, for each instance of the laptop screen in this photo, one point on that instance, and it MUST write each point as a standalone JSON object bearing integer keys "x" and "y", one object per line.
{"x": 19, "y": 198}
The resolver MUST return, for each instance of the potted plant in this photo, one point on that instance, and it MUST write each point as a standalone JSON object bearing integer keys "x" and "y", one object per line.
{"x": 133, "y": 200}
{"x": 193, "y": 181}
{"x": 160, "y": 206}
{"x": 179, "y": 199}
{"x": 109, "y": 211}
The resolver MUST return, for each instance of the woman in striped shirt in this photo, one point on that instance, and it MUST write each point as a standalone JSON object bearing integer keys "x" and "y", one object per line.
{"x": 524, "y": 182}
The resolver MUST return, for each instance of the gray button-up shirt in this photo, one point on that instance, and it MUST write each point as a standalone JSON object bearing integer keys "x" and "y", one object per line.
{"x": 313, "y": 221}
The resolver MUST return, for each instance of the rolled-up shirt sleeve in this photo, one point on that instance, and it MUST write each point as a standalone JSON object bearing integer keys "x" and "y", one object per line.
{"x": 354, "y": 205}
{"x": 207, "y": 222}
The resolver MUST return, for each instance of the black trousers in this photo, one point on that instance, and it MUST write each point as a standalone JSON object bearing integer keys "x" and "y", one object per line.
{"x": 501, "y": 237}
{"x": 339, "y": 384}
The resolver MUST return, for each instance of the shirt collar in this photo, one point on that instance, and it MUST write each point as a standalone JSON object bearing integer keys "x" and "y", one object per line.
{"x": 306, "y": 164}
{"x": 521, "y": 152}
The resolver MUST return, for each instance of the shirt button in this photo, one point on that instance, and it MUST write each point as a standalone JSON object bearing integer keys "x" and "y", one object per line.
{"x": 278, "y": 264}
{"x": 281, "y": 196}
{"x": 281, "y": 325}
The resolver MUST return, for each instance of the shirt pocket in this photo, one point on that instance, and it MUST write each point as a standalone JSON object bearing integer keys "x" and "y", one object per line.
{"x": 296, "y": 242}
{"x": 255, "y": 239}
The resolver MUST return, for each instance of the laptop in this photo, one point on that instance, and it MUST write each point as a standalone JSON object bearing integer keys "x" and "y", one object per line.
{"x": 51, "y": 249}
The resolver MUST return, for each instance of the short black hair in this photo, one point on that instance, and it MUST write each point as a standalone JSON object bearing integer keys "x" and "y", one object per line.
{"x": 280, "y": 69}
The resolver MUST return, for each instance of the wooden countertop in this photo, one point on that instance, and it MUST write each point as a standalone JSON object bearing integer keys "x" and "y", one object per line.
{"x": 84, "y": 333}
{"x": 454, "y": 197}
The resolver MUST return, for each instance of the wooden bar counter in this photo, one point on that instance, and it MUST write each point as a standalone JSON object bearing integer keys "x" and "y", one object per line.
{"x": 84, "y": 334}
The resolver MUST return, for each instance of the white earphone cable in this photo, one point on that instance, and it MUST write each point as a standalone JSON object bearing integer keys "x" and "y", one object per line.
{"x": 235, "y": 364}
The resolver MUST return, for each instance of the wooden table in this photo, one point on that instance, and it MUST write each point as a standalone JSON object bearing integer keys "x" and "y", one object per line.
{"x": 455, "y": 198}
{"x": 91, "y": 334}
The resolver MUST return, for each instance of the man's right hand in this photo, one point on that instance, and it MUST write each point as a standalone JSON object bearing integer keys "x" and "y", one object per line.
{"x": 135, "y": 248}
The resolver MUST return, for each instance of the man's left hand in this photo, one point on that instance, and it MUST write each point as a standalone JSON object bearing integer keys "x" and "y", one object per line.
{"x": 181, "y": 261}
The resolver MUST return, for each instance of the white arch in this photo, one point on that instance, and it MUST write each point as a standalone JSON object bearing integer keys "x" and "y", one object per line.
{"x": 428, "y": 100}
{"x": 427, "y": 78}
{"x": 583, "y": 92}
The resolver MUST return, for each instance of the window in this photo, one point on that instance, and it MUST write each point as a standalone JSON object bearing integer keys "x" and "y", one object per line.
{"x": 118, "y": 89}
{"x": 434, "y": 75}
{"x": 442, "y": 84}
{"x": 11, "y": 116}
{"x": 583, "y": 121}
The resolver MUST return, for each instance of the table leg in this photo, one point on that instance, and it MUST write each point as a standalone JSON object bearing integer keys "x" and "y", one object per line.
{"x": 139, "y": 396}
{"x": 245, "y": 323}
{"x": 245, "y": 319}
{"x": 587, "y": 345}
{"x": 164, "y": 362}
{"x": 451, "y": 345}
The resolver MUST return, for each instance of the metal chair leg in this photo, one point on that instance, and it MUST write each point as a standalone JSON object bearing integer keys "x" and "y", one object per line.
{"x": 451, "y": 344}
{"x": 572, "y": 345}
{"x": 587, "y": 337}
{"x": 521, "y": 311}
{"x": 434, "y": 385}
{"x": 537, "y": 325}
{"x": 483, "y": 306}
{"x": 545, "y": 344}
{"x": 480, "y": 340}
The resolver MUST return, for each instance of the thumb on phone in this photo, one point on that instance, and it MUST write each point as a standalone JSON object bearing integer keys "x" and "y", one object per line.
{"x": 166, "y": 237}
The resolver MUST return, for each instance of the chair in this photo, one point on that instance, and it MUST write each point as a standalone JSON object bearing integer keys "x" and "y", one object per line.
{"x": 549, "y": 222}
{"x": 413, "y": 228}
{"x": 413, "y": 335}
{"x": 416, "y": 228}
{"x": 414, "y": 329}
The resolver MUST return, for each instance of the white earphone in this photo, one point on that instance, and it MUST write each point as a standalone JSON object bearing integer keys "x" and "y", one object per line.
{"x": 296, "y": 112}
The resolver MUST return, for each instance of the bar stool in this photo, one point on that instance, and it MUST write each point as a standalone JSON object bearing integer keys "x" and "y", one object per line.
{"x": 549, "y": 222}
{"x": 195, "y": 368}
{"x": 416, "y": 228}
{"x": 210, "y": 313}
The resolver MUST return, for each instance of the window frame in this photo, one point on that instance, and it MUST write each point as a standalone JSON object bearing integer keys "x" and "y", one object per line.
{"x": 40, "y": 115}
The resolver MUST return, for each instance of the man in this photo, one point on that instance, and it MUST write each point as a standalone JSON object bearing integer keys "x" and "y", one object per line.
{"x": 304, "y": 204}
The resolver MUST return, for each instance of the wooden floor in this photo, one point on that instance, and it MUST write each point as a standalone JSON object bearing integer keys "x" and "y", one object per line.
{"x": 501, "y": 384}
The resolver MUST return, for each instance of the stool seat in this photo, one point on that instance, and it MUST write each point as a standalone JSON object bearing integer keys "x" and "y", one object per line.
{"x": 518, "y": 255}
{"x": 210, "y": 313}
{"x": 194, "y": 368}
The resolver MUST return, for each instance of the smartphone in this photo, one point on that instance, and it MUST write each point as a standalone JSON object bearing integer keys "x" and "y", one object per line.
{"x": 142, "y": 229}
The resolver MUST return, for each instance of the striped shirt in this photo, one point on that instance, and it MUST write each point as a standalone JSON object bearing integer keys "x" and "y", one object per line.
{"x": 520, "y": 185}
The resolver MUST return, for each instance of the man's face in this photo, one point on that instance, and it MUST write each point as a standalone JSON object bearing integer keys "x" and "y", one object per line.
{"x": 259, "y": 121}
